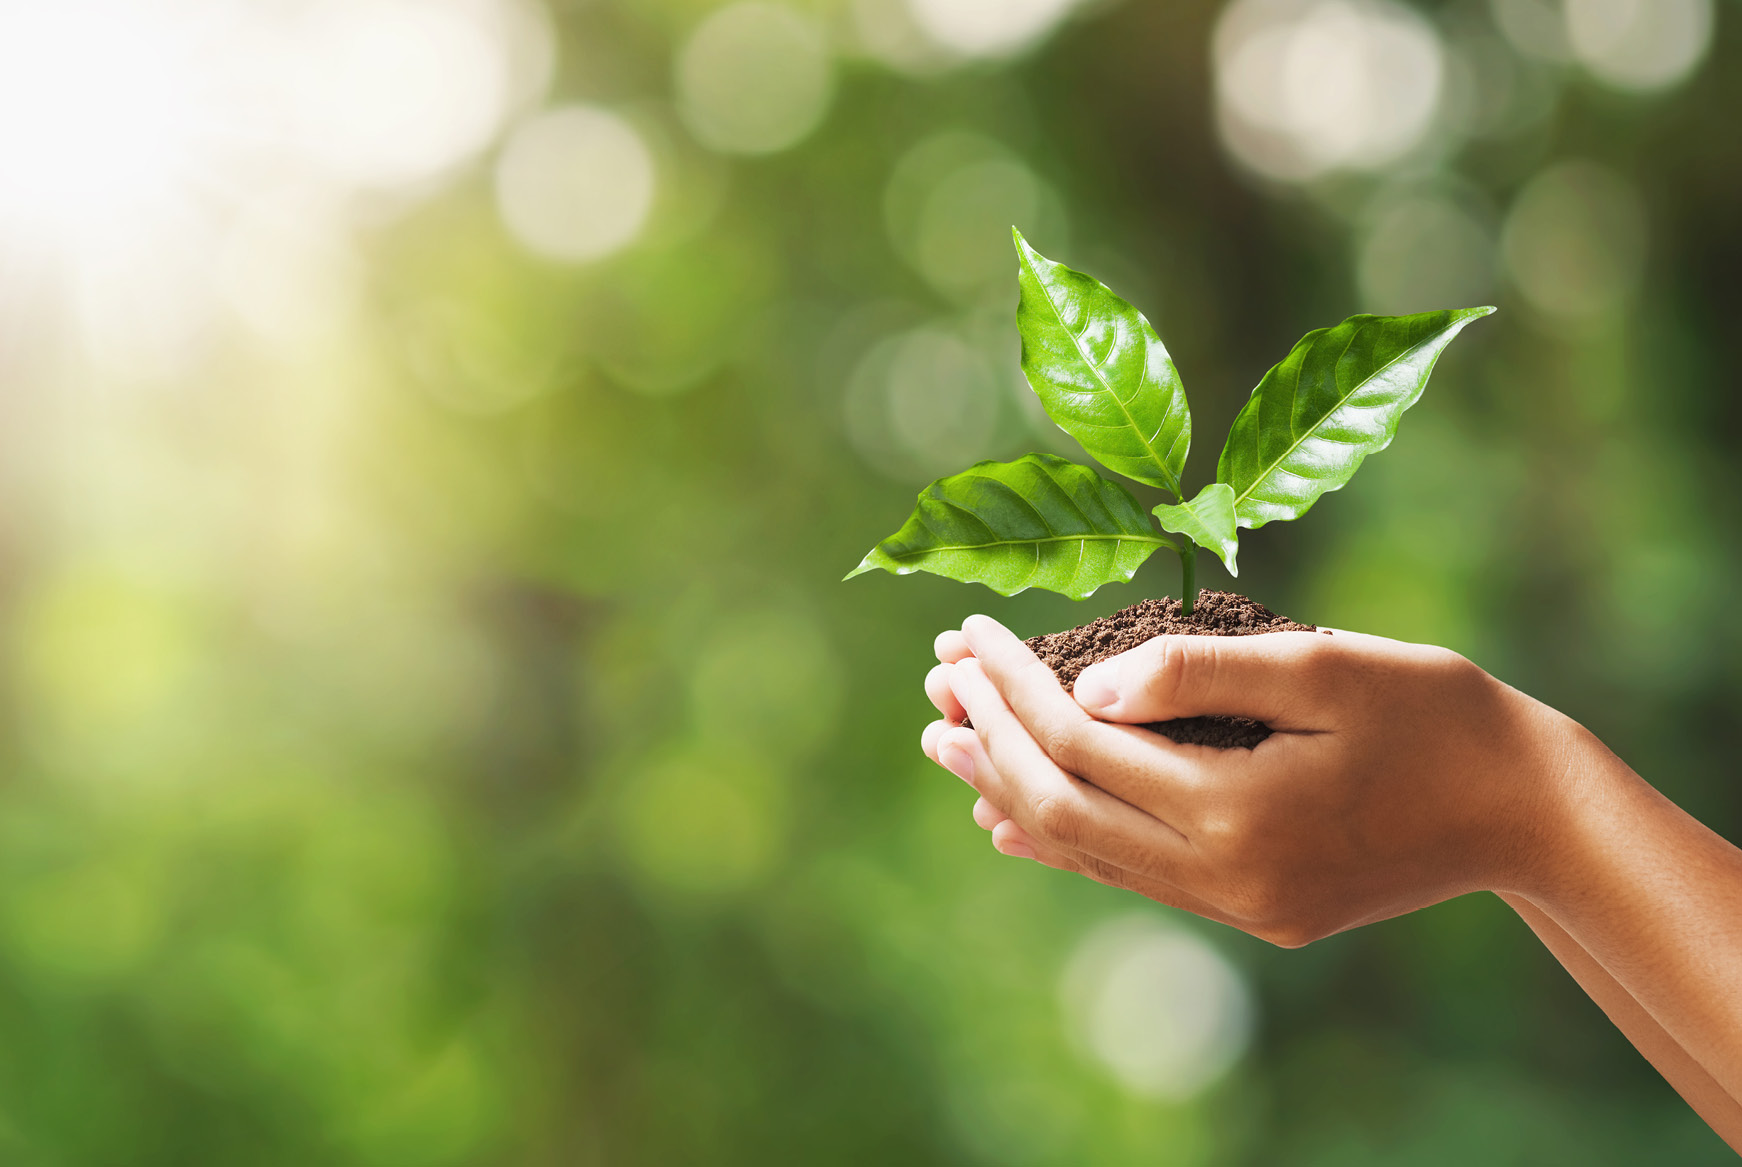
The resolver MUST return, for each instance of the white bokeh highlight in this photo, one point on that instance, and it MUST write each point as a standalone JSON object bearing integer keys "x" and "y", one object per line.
{"x": 755, "y": 78}
{"x": 1308, "y": 87}
{"x": 1639, "y": 44}
{"x": 987, "y": 28}
{"x": 575, "y": 184}
{"x": 1156, "y": 1006}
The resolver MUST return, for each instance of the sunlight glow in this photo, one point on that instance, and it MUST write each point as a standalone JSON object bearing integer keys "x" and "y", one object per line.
{"x": 154, "y": 153}
{"x": 99, "y": 111}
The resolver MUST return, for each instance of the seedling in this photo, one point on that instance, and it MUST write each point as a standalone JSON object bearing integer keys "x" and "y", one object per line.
{"x": 1105, "y": 378}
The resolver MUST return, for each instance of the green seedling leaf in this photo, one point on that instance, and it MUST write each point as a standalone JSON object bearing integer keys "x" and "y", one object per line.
{"x": 1208, "y": 521}
{"x": 1101, "y": 372}
{"x": 1039, "y": 522}
{"x": 1336, "y": 398}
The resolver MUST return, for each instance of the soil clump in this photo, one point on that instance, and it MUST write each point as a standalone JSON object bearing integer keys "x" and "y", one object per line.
{"x": 1069, "y": 652}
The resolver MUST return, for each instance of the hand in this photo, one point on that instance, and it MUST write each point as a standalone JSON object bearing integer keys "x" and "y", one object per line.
{"x": 1399, "y": 775}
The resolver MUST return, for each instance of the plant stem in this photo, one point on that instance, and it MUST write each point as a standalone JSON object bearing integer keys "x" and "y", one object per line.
{"x": 1188, "y": 587}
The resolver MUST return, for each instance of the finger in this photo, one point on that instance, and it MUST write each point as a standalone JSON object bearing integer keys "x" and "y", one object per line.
{"x": 1010, "y": 838}
{"x": 937, "y": 688}
{"x": 1278, "y": 678}
{"x": 951, "y": 646}
{"x": 928, "y": 738}
{"x": 967, "y": 755}
{"x": 1004, "y": 830}
{"x": 1059, "y": 809}
{"x": 987, "y": 816}
{"x": 1142, "y": 768}
{"x": 1013, "y": 841}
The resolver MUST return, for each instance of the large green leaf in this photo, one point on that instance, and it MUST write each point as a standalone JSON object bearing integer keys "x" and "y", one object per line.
{"x": 1101, "y": 372}
{"x": 1037, "y": 522}
{"x": 1208, "y": 521}
{"x": 1336, "y": 398}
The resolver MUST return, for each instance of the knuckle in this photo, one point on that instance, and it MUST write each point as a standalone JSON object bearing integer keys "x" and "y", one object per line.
{"x": 1321, "y": 660}
{"x": 1056, "y": 820}
{"x": 1174, "y": 674}
{"x": 1063, "y": 740}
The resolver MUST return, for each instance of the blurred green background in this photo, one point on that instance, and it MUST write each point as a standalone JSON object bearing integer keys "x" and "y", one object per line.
{"x": 431, "y": 436}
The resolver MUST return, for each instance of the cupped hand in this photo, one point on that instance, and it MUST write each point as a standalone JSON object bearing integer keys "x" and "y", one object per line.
{"x": 1399, "y": 775}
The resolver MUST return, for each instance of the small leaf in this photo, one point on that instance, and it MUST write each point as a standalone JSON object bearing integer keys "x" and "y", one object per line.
{"x": 1208, "y": 521}
{"x": 1101, "y": 372}
{"x": 1336, "y": 398}
{"x": 1039, "y": 521}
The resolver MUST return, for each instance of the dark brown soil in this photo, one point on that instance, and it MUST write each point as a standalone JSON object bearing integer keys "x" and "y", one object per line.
{"x": 1217, "y": 614}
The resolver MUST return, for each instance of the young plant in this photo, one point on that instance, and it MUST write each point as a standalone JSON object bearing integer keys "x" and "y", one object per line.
{"x": 1104, "y": 377}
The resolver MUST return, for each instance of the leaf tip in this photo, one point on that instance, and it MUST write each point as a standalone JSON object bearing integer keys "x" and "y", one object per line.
{"x": 865, "y": 565}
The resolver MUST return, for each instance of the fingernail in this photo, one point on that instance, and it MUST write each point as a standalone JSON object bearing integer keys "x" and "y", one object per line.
{"x": 1018, "y": 851}
{"x": 1098, "y": 687}
{"x": 957, "y": 762}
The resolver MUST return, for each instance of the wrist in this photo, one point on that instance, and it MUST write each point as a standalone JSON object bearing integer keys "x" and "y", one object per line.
{"x": 1586, "y": 795}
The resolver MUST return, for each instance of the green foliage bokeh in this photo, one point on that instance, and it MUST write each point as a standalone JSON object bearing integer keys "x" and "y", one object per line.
{"x": 459, "y": 748}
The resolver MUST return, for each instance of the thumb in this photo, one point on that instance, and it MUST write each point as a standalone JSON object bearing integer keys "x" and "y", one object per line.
{"x": 1272, "y": 677}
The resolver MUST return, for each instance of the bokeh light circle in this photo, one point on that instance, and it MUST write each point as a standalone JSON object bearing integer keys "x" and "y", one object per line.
{"x": 987, "y": 28}
{"x": 575, "y": 183}
{"x": 923, "y": 402}
{"x": 1156, "y": 1006}
{"x": 755, "y": 78}
{"x": 1574, "y": 241}
{"x": 1305, "y": 87}
{"x": 1536, "y": 28}
{"x": 1639, "y": 44}
{"x": 1422, "y": 250}
{"x": 949, "y": 205}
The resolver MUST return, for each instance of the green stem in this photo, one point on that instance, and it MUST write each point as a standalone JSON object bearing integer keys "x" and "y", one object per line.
{"x": 1188, "y": 587}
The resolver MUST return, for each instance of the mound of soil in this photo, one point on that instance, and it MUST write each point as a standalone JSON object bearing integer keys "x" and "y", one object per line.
{"x": 1069, "y": 652}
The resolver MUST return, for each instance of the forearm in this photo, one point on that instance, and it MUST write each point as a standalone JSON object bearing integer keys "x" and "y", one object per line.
{"x": 1701, "y": 1091}
{"x": 1655, "y": 901}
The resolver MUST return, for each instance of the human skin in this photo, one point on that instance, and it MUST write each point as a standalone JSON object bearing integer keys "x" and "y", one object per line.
{"x": 1399, "y": 776}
